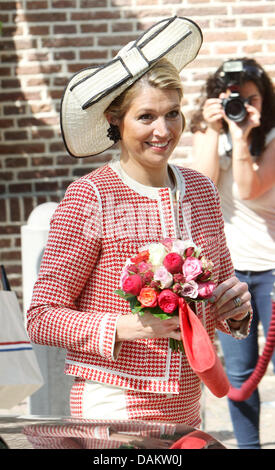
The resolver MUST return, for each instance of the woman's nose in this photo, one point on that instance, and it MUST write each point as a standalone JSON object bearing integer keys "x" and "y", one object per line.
{"x": 161, "y": 128}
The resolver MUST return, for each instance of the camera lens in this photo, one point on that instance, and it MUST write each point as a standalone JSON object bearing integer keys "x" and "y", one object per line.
{"x": 235, "y": 109}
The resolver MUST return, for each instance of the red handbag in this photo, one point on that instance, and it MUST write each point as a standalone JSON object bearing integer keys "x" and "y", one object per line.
{"x": 201, "y": 353}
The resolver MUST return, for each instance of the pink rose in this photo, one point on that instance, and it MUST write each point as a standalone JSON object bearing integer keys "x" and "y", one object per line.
{"x": 167, "y": 242}
{"x": 148, "y": 297}
{"x": 189, "y": 289}
{"x": 164, "y": 277}
{"x": 179, "y": 246}
{"x": 192, "y": 267}
{"x": 173, "y": 263}
{"x": 168, "y": 301}
{"x": 143, "y": 267}
{"x": 205, "y": 289}
{"x": 132, "y": 284}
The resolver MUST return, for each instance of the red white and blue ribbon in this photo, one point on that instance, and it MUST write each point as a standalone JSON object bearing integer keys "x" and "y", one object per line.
{"x": 15, "y": 346}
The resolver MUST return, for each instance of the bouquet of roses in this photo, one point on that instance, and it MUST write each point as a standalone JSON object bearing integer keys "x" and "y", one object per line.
{"x": 158, "y": 276}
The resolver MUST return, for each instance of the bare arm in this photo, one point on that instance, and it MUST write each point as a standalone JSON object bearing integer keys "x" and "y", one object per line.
{"x": 205, "y": 144}
{"x": 205, "y": 153}
{"x": 252, "y": 179}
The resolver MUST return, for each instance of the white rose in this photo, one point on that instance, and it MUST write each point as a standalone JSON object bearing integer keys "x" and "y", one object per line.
{"x": 157, "y": 253}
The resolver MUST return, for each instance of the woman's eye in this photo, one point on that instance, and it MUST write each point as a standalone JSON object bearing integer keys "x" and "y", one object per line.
{"x": 146, "y": 117}
{"x": 150, "y": 117}
{"x": 173, "y": 114}
{"x": 253, "y": 100}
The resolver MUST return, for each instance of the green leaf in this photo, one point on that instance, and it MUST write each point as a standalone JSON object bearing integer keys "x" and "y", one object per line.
{"x": 138, "y": 309}
{"x": 162, "y": 316}
{"x": 123, "y": 295}
{"x": 120, "y": 293}
{"x": 133, "y": 302}
{"x": 157, "y": 312}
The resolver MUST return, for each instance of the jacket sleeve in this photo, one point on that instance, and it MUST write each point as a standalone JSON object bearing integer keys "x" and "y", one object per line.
{"x": 71, "y": 253}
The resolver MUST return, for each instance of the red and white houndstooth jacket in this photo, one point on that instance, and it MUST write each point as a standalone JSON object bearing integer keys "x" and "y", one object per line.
{"x": 104, "y": 218}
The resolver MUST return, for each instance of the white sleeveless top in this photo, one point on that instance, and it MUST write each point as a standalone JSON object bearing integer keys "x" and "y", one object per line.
{"x": 249, "y": 225}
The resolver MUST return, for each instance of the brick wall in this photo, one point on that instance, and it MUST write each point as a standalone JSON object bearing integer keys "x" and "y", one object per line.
{"x": 44, "y": 41}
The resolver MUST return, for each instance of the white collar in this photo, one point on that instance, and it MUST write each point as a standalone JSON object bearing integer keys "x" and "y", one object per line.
{"x": 149, "y": 191}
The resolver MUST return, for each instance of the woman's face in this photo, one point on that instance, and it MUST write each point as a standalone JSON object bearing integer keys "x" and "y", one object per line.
{"x": 250, "y": 92}
{"x": 151, "y": 127}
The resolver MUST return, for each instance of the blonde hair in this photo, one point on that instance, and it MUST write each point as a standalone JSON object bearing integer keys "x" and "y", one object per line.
{"x": 162, "y": 75}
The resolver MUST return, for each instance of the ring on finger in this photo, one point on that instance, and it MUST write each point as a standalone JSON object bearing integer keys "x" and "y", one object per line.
{"x": 237, "y": 302}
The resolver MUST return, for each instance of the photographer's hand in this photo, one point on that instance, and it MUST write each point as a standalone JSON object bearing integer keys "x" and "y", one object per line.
{"x": 241, "y": 130}
{"x": 213, "y": 113}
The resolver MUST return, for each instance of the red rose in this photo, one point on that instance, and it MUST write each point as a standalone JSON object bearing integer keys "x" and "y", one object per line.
{"x": 177, "y": 288}
{"x": 205, "y": 276}
{"x": 205, "y": 289}
{"x": 168, "y": 301}
{"x": 155, "y": 284}
{"x": 132, "y": 269}
{"x": 173, "y": 263}
{"x": 179, "y": 278}
{"x": 132, "y": 284}
{"x": 148, "y": 297}
{"x": 147, "y": 278}
{"x": 189, "y": 251}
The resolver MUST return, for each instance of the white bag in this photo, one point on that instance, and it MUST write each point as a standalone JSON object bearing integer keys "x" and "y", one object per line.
{"x": 20, "y": 374}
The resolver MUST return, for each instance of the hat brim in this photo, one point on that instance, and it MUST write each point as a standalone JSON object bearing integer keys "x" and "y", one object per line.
{"x": 90, "y": 91}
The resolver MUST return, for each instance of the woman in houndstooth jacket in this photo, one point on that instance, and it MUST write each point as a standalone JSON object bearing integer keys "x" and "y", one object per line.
{"x": 123, "y": 364}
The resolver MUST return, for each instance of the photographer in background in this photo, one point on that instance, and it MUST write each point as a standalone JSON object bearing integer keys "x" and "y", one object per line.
{"x": 234, "y": 144}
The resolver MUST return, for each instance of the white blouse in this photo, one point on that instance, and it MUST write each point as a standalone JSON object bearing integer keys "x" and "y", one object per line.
{"x": 249, "y": 224}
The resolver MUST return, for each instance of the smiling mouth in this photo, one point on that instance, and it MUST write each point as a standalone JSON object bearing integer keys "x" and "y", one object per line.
{"x": 158, "y": 144}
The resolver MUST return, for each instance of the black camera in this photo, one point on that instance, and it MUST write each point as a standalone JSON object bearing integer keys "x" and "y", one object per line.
{"x": 234, "y": 105}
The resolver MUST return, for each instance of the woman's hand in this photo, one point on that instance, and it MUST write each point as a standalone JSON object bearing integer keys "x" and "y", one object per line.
{"x": 252, "y": 178}
{"x": 213, "y": 113}
{"x": 133, "y": 326}
{"x": 226, "y": 296}
{"x": 242, "y": 129}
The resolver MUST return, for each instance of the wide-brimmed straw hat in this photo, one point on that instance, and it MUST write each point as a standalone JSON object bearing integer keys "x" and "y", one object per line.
{"x": 90, "y": 91}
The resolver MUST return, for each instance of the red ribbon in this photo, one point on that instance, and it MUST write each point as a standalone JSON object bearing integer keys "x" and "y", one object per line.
{"x": 200, "y": 351}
